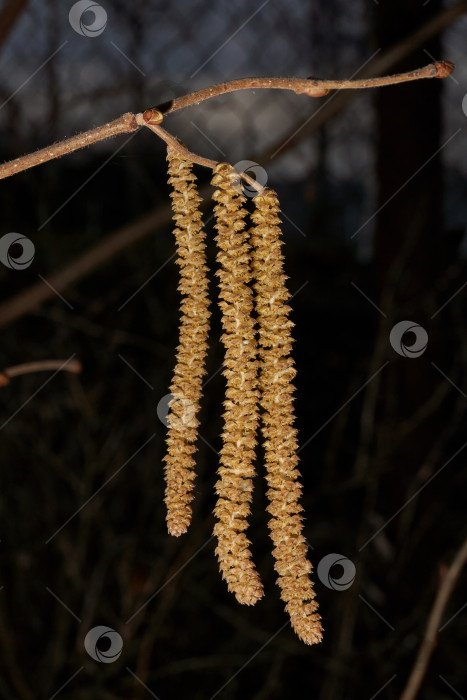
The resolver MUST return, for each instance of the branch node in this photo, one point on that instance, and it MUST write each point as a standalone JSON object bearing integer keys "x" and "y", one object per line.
{"x": 130, "y": 121}
{"x": 313, "y": 89}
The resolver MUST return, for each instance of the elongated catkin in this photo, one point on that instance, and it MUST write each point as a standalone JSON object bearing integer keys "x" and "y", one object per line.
{"x": 186, "y": 387}
{"x": 280, "y": 436}
{"x": 234, "y": 486}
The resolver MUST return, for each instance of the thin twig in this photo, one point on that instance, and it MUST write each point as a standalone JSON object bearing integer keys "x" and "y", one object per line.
{"x": 129, "y": 122}
{"x": 73, "y": 366}
{"x": 448, "y": 581}
{"x": 179, "y": 147}
{"x": 313, "y": 87}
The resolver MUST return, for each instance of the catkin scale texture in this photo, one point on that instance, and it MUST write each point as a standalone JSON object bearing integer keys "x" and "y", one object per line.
{"x": 186, "y": 387}
{"x": 280, "y": 437}
{"x": 234, "y": 486}
{"x": 259, "y": 371}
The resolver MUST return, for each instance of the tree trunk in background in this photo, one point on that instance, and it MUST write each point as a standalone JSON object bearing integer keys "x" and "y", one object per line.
{"x": 408, "y": 243}
{"x": 408, "y": 122}
{"x": 410, "y": 256}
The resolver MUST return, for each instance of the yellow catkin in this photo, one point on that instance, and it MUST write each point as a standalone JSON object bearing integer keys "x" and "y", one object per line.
{"x": 234, "y": 486}
{"x": 186, "y": 388}
{"x": 280, "y": 436}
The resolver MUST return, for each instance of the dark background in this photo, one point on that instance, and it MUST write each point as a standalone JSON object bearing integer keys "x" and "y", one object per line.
{"x": 374, "y": 206}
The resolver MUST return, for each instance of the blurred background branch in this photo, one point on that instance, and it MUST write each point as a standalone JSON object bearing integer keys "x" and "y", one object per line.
{"x": 448, "y": 579}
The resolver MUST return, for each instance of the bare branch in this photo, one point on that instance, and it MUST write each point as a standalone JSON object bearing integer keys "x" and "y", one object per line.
{"x": 448, "y": 581}
{"x": 129, "y": 122}
{"x": 124, "y": 124}
{"x": 73, "y": 366}
{"x": 313, "y": 87}
{"x": 97, "y": 255}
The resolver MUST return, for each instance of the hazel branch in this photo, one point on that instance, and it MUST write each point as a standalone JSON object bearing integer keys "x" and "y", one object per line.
{"x": 126, "y": 123}
{"x": 313, "y": 87}
{"x": 129, "y": 122}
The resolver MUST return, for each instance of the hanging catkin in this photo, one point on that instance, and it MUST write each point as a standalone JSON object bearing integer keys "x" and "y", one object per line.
{"x": 186, "y": 388}
{"x": 234, "y": 486}
{"x": 280, "y": 436}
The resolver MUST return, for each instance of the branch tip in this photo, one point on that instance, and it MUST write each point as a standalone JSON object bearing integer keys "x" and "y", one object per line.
{"x": 443, "y": 68}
